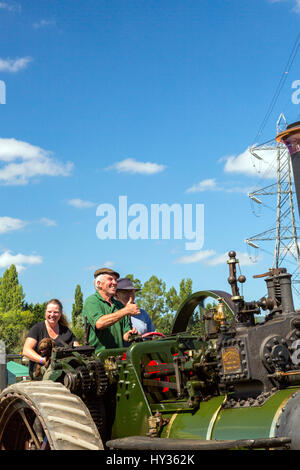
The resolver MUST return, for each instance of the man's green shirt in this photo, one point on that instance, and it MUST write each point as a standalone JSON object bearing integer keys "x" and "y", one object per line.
{"x": 112, "y": 337}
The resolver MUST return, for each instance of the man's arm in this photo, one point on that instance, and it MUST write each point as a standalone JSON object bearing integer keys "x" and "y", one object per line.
{"x": 106, "y": 321}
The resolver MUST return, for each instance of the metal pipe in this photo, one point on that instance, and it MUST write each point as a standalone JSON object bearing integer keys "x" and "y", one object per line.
{"x": 156, "y": 443}
{"x": 291, "y": 138}
{"x": 3, "y": 371}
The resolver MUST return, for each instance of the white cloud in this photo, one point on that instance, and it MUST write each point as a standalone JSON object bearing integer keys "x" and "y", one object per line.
{"x": 106, "y": 264}
{"x": 47, "y": 222}
{"x": 10, "y": 6}
{"x": 129, "y": 165}
{"x": 239, "y": 189}
{"x": 261, "y": 165}
{"x": 204, "y": 185}
{"x": 8, "y": 224}
{"x": 109, "y": 264}
{"x": 43, "y": 24}
{"x": 245, "y": 163}
{"x": 14, "y": 65}
{"x": 208, "y": 257}
{"x": 197, "y": 257}
{"x": 92, "y": 267}
{"x": 297, "y": 6}
{"x": 244, "y": 259}
{"x": 19, "y": 260}
{"x": 80, "y": 204}
{"x": 211, "y": 185}
{"x": 24, "y": 161}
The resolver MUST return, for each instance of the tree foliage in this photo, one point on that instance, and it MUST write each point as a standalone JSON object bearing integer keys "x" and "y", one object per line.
{"x": 77, "y": 307}
{"x": 153, "y": 299}
{"x": 15, "y": 317}
{"x": 14, "y": 325}
{"x": 11, "y": 292}
{"x": 38, "y": 311}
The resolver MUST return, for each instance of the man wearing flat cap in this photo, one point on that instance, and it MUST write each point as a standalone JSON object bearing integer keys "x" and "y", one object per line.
{"x": 108, "y": 317}
{"x": 125, "y": 292}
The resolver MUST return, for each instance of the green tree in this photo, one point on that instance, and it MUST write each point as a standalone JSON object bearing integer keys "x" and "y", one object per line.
{"x": 14, "y": 326}
{"x": 11, "y": 292}
{"x": 185, "y": 288}
{"x": 16, "y": 315}
{"x": 77, "y": 326}
{"x": 77, "y": 305}
{"x": 196, "y": 322}
{"x": 14, "y": 318}
{"x": 38, "y": 311}
{"x": 174, "y": 300}
{"x": 152, "y": 299}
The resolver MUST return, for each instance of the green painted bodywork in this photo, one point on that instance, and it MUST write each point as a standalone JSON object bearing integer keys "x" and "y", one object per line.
{"x": 252, "y": 422}
{"x": 186, "y": 425}
{"x": 134, "y": 406}
{"x": 131, "y": 400}
{"x": 212, "y": 421}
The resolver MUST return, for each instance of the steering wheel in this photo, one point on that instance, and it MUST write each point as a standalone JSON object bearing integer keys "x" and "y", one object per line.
{"x": 153, "y": 333}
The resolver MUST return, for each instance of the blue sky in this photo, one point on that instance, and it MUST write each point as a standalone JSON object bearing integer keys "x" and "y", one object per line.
{"x": 157, "y": 101}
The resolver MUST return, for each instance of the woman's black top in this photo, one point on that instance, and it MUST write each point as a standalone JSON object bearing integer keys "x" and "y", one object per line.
{"x": 39, "y": 331}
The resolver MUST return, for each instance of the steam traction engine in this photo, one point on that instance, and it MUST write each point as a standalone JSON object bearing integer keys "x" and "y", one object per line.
{"x": 237, "y": 386}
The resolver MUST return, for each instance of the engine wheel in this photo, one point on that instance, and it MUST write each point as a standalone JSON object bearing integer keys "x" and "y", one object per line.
{"x": 45, "y": 415}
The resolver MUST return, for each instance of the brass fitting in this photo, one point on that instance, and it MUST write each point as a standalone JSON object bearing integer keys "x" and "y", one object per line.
{"x": 220, "y": 316}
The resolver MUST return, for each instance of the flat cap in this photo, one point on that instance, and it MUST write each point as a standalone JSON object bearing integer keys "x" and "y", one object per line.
{"x": 106, "y": 271}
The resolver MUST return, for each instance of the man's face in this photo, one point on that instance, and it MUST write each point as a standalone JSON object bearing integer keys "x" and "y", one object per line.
{"x": 108, "y": 286}
{"x": 125, "y": 295}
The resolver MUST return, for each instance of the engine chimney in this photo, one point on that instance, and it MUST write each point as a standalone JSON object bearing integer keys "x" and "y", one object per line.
{"x": 291, "y": 138}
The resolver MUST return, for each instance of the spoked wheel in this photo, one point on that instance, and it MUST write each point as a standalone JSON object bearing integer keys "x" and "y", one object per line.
{"x": 45, "y": 416}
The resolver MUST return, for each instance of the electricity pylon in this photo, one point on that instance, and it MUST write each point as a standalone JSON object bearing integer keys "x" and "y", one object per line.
{"x": 284, "y": 233}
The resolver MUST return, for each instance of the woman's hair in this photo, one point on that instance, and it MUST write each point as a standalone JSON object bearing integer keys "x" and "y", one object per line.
{"x": 63, "y": 319}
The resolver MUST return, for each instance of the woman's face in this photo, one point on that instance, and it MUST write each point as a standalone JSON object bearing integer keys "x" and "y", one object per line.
{"x": 52, "y": 314}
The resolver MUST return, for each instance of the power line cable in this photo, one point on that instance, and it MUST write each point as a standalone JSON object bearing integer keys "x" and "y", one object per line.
{"x": 279, "y": 86}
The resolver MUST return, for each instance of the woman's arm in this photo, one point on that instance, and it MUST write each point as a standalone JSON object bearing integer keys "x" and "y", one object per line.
{"x": 30, "y": 353}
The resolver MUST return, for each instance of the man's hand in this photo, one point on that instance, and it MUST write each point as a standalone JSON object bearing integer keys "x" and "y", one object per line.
{"x": 126, "y": 335}
{"x": 105, "y": 321}
{"x": 132, "y": 308}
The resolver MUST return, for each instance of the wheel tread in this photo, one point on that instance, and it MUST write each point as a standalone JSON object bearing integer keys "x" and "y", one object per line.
{"x": 71, "y": 427}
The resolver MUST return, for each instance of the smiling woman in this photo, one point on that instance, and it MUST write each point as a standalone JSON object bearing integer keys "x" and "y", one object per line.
{"x": 55, "y": 327}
